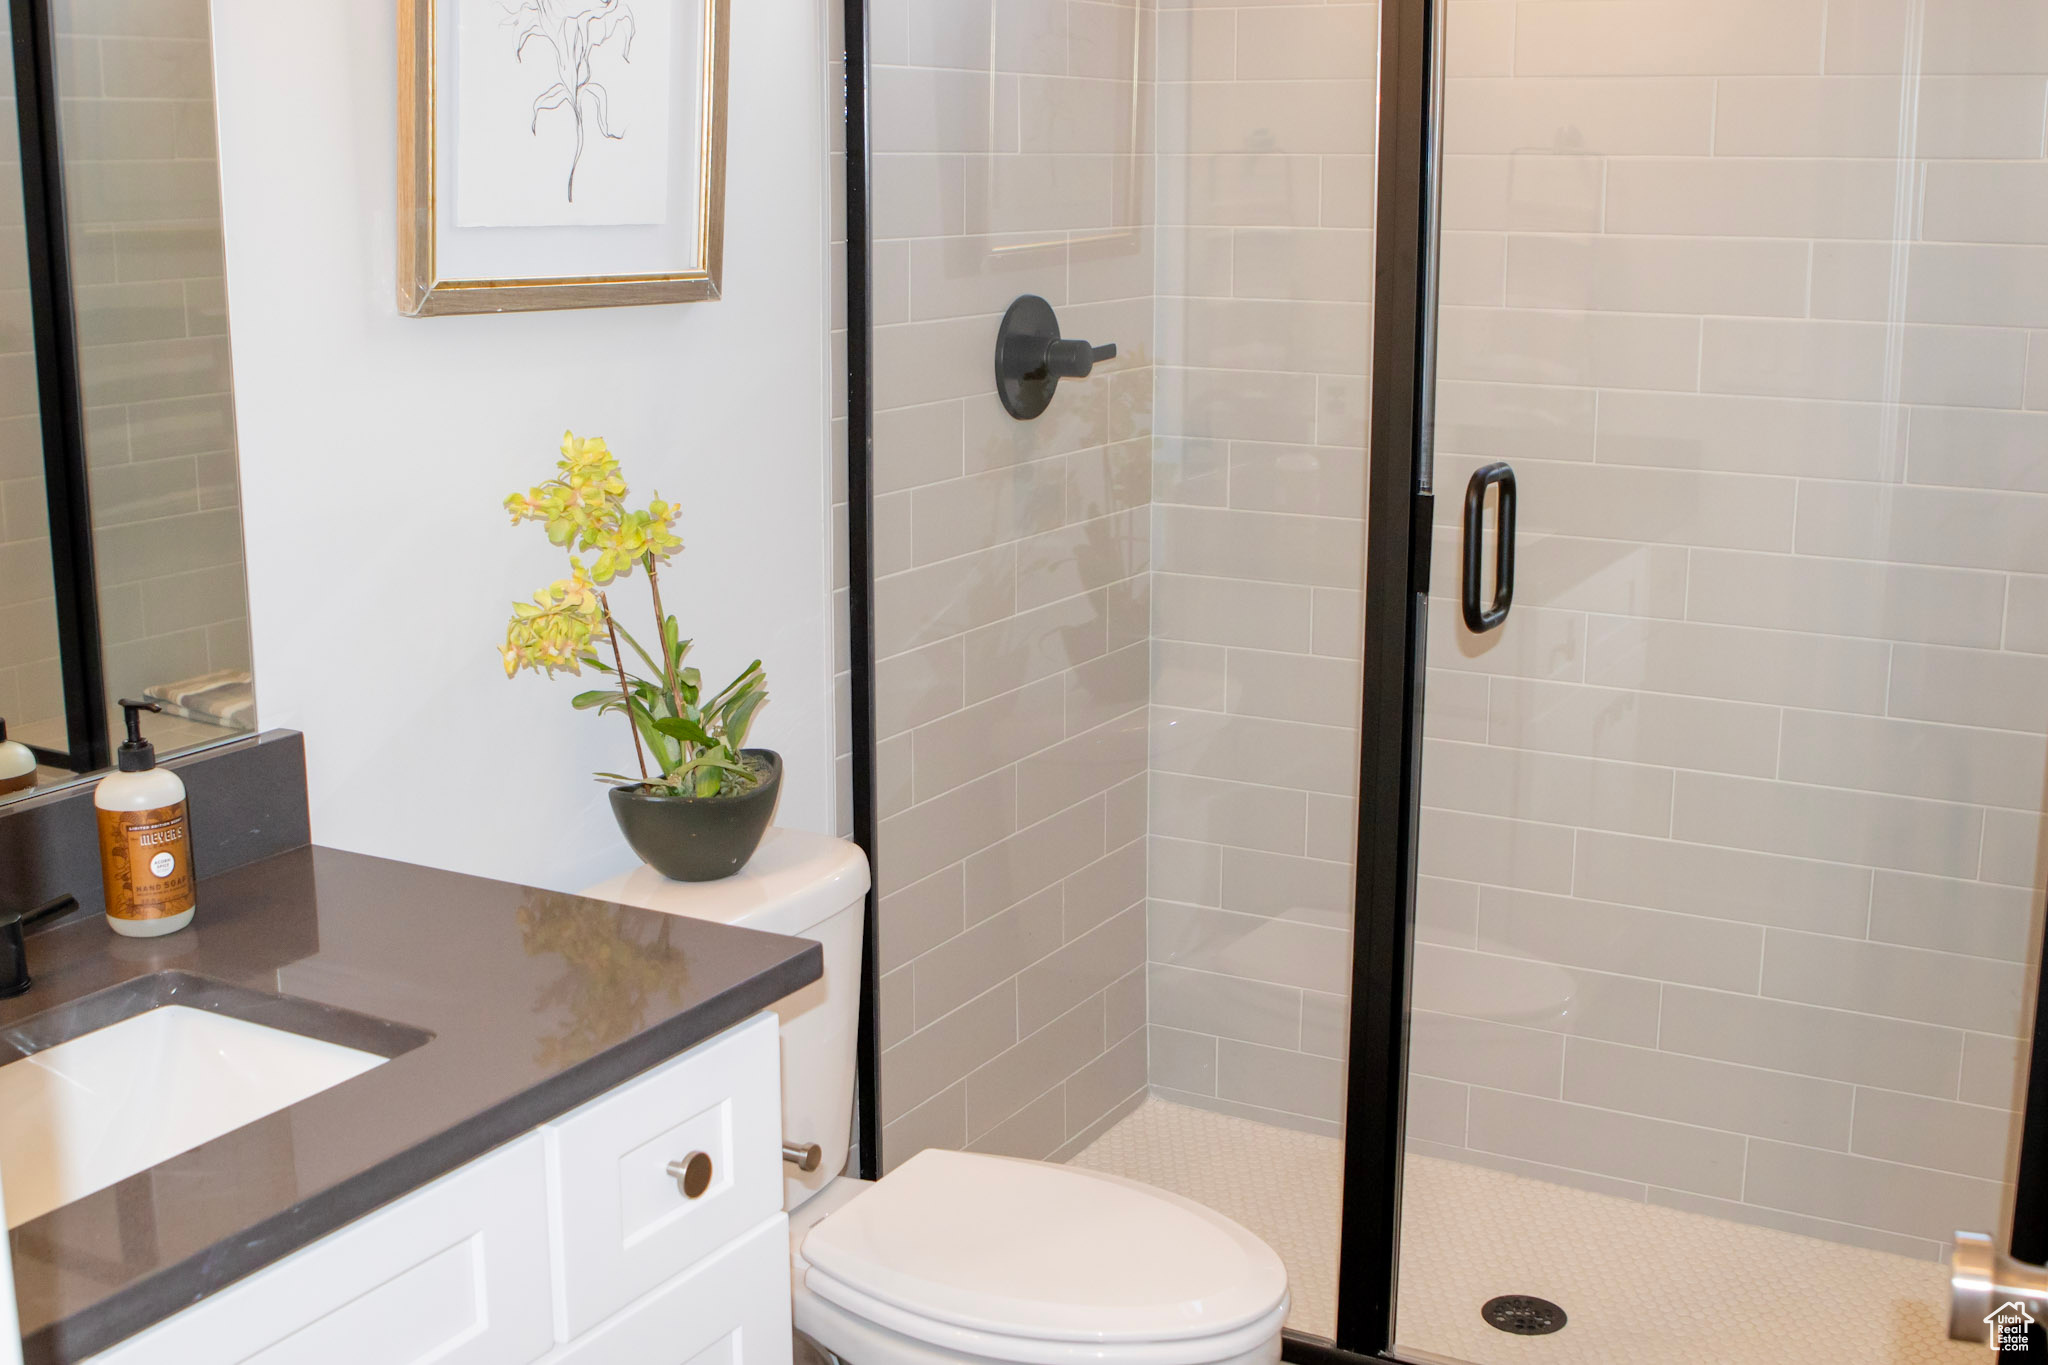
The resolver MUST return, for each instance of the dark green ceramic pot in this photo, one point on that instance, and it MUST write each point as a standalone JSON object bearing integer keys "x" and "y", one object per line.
{"x": 699, "y": 838}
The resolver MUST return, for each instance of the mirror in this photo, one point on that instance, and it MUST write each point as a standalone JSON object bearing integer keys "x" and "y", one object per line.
{"x": 121, "y": 569}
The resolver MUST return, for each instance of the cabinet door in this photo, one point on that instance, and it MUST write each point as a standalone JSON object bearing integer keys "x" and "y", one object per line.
{"x": 730, "y": 1309}
{"x": 623, "y": 1222}
{"x": 455, "y": 1274}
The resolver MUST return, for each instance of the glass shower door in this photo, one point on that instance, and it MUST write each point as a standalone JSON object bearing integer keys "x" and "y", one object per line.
{"x": 1732, "y": 778}
{"x": 1113, "y": 632}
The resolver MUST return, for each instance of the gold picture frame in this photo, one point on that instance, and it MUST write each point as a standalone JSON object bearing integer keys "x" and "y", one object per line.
{"x": 422, "y": 292}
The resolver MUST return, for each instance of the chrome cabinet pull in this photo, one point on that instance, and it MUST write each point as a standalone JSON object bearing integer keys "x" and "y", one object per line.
{"x": 693, "y": 1173}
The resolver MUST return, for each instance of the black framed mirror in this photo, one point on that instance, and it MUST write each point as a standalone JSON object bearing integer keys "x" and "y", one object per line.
{"x": 121, "y": 570}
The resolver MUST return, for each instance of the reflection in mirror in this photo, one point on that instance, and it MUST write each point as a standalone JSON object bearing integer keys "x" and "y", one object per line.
{"x": 150, "y": 400}
{"x": 142, "y": 181}
{"x": 31, "y": 686}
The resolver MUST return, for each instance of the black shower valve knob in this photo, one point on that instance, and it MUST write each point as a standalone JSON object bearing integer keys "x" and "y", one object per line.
{"x": 1032, "y": 357}
{"x": 1074, "y": 359}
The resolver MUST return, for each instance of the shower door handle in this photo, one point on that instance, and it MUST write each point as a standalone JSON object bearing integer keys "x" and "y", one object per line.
{"x": 1481, "y": 617}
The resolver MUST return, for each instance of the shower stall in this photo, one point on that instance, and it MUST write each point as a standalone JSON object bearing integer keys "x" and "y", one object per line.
{"x": 1501, "y": 738}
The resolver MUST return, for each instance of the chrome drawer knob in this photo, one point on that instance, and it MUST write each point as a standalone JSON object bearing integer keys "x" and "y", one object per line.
{"x": 805, "y": 1156}
{"x": 693, "y": 1173}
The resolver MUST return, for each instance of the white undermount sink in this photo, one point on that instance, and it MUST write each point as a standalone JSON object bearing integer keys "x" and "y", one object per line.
{"x": 109, "y": 1104}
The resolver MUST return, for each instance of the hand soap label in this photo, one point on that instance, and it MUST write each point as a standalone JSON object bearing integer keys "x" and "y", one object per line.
{"x": 146, "y": 862}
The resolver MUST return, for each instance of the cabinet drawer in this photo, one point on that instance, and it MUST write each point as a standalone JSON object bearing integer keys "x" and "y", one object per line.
{"x": 455, "y": 1273}
{"x": 730, "y": 1310}
{"x": 622, "y": 1223}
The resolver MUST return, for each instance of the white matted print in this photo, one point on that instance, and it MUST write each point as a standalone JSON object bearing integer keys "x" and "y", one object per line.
{"x": 563, "y": 112}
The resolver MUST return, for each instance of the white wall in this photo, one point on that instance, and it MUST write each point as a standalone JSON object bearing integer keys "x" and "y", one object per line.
{"x": 376, "y": 450}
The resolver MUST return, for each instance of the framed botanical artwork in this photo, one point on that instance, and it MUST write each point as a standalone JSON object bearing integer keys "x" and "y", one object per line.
{"x": 559, "y": 153}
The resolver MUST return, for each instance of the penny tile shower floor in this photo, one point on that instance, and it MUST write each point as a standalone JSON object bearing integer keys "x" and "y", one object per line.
{"x": 1640, "y": 1283}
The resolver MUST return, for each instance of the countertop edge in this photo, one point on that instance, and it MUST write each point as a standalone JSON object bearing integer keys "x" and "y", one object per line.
{"x": 130, "y": 1311}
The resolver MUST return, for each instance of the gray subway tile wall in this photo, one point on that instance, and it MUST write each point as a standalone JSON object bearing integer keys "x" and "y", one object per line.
{"x": 1012, "y": 155}
{"x": 1025, "y": 550}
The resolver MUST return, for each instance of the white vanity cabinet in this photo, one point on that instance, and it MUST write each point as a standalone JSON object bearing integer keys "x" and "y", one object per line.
{"x": 644, "y": 1228}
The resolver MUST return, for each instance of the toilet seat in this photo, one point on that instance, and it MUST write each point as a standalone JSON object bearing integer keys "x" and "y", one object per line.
{"x": 896, "y": 1338}
{"x": 1029, "y": 1262}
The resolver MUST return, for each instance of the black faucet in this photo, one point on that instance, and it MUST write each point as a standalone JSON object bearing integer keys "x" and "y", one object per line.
{"x": 14, "y": 977}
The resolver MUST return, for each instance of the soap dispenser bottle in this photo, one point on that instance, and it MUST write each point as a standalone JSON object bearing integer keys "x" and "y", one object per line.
{"x": 17, "y": 764}
{"x": 145, "y": 839}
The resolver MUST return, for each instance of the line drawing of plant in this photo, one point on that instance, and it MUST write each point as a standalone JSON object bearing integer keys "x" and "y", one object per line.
{"x": 574, "y": 29}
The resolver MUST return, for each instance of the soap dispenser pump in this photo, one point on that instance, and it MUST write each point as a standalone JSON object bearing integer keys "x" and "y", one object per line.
{"x": 17, "y": 764}
{"x": 145, "y": 839}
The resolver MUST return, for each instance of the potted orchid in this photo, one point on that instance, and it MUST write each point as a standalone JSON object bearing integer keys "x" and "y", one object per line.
{"x": 703, "y": 800}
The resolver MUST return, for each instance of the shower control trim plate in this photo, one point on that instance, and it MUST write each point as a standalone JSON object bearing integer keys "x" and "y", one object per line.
{"x": 1032, "y": 358}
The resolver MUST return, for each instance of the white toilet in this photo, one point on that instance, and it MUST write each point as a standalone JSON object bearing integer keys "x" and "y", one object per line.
{"x": 954, "y": 1256}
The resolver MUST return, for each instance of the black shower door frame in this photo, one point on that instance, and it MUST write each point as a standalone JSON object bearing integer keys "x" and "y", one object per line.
{"x": 1400, "y": 507}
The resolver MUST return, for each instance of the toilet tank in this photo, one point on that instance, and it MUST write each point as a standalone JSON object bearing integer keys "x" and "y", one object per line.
{"x": 805, "y": 886}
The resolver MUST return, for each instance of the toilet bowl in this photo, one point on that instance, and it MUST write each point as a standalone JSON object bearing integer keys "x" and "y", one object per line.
{"x": 958, "y": 1257}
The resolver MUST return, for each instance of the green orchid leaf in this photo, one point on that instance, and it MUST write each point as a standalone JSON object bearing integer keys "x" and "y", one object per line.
{"x": 667, "y": 753}
{"x": 742, "y": 718}
{"x": 750, "y": 673}
{"x": 721, "y": 763}
{"x": 671, "y": 636}
{"x": 685, "y": 729}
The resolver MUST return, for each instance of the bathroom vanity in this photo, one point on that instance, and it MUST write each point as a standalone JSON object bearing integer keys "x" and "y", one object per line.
{"x": 555, "y": 1136}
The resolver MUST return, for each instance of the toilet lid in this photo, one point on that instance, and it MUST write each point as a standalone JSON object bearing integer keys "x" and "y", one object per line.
{"x": 1030, "y": 1249}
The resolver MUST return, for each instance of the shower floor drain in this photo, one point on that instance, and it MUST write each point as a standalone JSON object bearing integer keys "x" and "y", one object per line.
{"x": 1523, "y": 1314}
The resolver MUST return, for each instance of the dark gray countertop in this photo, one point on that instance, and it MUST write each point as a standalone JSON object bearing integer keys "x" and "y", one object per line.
{"x": 535, "y": 1003}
